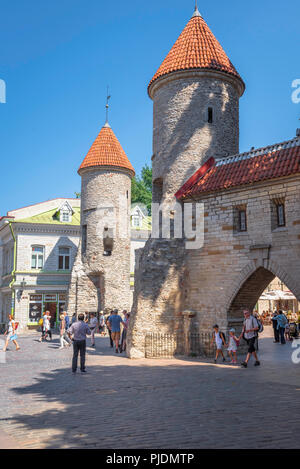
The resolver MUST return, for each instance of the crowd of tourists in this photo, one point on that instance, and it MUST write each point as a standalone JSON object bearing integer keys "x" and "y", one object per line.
{"x": 75, "y": 330}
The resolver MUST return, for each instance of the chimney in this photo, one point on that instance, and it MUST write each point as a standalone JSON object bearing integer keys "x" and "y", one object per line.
{"x": 298, "y": 133}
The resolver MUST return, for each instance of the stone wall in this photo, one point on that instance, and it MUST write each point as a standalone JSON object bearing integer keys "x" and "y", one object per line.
{"x": 101, "y": 281}
{"x": 228, "y": 274}
{"x": 182, "y": 137}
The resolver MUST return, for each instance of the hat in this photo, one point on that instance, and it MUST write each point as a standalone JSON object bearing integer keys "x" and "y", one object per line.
{"x": 232, "y": 330}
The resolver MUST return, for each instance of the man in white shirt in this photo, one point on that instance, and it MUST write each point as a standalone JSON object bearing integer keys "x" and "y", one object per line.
{"x": 249, "y": 333}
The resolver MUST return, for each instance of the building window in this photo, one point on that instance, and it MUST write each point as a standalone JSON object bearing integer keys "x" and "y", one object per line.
{"x": 280, "y": 214}
{"x": 65, "y": 217}
{"x": 210, "y": 115}
{"x": 64, "y": 259}
{"x": 242, "y": 220}
{"x": 136, "y": 220}
{"x": 37, "y": 257}
{"x": 84, "y": 239}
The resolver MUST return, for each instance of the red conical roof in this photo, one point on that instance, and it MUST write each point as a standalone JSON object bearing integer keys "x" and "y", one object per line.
{"x": 196, "y": 47}
{"x": 106, "y": 151}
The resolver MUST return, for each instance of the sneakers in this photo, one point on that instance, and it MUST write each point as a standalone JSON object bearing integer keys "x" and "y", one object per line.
{"x": 257, "y": 363}
{"x": 117, "y": 351}
{"x": 244, "y": 364}
{"x": 224, "y": 359}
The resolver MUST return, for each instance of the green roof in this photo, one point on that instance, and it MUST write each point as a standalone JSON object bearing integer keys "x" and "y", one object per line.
{"x": 49, "y": 218}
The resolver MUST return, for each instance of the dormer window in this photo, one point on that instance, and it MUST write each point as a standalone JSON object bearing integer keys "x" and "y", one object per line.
{"x": 65, "y": 216}
{"x": 136, "y": 221}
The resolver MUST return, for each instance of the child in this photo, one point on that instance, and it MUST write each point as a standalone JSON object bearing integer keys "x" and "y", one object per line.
{"x": 232, "y": 346}
{"x": 287, "y": 331}
{"x": 220, "y": 341}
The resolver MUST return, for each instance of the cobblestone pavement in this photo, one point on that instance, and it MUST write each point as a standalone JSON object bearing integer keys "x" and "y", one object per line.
{"x": 122, "y": 403}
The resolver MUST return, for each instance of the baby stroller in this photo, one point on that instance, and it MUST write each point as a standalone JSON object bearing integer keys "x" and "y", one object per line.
{"x": 294, "y": 330}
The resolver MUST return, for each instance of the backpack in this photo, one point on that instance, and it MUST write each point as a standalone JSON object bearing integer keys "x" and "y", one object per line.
{"x": 16, "y": 325}
{"x": 222, "y": 335}
{"x": 260, "y": 326}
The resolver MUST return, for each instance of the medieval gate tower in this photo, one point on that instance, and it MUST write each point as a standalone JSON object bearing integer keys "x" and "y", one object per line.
{"x": 101, "y": 272}
{"x": 195, "y": 95}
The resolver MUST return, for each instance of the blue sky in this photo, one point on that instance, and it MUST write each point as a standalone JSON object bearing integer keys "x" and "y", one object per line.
{"x": 57, "y": 58}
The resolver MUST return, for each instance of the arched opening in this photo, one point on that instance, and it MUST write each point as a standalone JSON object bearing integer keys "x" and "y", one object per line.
{"x": 263, "y": 293}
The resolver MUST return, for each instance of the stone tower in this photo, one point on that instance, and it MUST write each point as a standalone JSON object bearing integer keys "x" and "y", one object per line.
{"x": 195, "y": 95}
{"x": 101, "y": 272}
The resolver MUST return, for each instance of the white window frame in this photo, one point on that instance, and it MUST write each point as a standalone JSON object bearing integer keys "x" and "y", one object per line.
{"x": 39, "y": 255}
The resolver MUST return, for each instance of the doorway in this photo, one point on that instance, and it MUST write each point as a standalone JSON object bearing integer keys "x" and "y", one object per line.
{"x": 52, "y": 308}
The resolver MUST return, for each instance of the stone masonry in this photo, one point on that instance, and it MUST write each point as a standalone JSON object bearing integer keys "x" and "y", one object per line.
{"x": 102, "y": 281}
{"x": 179, "y": 292}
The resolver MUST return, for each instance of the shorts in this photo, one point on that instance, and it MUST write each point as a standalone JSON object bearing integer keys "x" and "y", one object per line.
{"x": 251, "y": 345}
{"x": 115, "y": 335}
{"x": 12, "y": 337}
{"x": 232, "y": 349}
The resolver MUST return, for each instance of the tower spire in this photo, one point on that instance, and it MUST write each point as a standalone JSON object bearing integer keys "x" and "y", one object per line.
{"x": 107, "y": 107}
{"x": 196, "y": 12}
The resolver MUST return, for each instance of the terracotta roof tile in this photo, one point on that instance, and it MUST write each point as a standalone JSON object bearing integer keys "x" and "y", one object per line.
{"x": 247, "y": 168}
{"x": 106, "y": 151}
{"x": 196, "y": 47}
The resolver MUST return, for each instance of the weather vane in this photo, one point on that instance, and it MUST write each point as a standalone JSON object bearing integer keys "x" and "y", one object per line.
{"x": 108, "y": 96}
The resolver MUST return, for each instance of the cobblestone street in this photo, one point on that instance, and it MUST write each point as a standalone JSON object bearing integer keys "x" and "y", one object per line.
{"x": 122, "y": 403}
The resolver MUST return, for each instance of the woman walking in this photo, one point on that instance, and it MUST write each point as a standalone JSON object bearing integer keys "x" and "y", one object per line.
{"x": 63, "y": 341}
{"x": 11, "y": 333}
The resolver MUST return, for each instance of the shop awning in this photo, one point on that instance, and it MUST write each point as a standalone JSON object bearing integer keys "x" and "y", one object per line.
{"x": 277, "y": 295}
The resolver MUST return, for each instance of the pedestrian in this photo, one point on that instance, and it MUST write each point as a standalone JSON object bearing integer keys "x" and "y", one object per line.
{"x": 232, "y": 346}
{"x": 79, "y": 330}
{"x": 115, "y": 322}
{"x": 249, "y": 334}
{"x": 275, "y": 330}
{"x": 62, "y": 331}
{"x": 102, "y": 323}
{"x": 74, "y": 318}
{"x": 219, "y": 339}
{"x": 67, "y": 321}
{"x": 287, "y": 332}
{"x": 11, "y": 333}
{"x": 46, "y": 326}
{"x": 124, "y": 333}
{"x": 93, "y": 326}
{"x": 109, "y": 329}
{"x": 281, "y": 323}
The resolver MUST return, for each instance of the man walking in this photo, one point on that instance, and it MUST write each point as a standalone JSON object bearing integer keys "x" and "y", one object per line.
{"x": 115, "y": 322}
{"x": 109, "y": 328}
{"x": 275, "y": 330}
{"x": 79, "y": 330}
{"x": 282, "y": 321}
{"x": 249, "y": 333}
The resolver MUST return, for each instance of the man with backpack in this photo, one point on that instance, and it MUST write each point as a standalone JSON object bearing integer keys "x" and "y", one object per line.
{"x": 249, "y": 333}
{"x": 281, "y": 323}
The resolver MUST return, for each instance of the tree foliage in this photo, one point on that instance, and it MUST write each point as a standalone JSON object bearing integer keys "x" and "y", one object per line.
{"x": 141, "y": 188}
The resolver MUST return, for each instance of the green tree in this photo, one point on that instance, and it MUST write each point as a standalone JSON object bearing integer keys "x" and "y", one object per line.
{"x": 141, "y": 188}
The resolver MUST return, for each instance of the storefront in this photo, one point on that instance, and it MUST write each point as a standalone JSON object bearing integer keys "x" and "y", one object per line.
{"x": 41, "y": 302}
